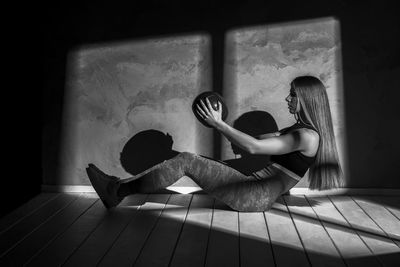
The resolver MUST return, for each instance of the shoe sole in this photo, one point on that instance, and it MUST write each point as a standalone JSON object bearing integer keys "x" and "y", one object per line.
{"x": 94, "y": 176}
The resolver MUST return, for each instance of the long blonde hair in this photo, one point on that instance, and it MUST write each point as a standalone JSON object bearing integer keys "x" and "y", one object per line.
{"x": 326, "y": 171}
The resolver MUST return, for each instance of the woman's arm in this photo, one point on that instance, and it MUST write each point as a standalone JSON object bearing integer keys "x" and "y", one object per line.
{"x": 276, "y": 145}
{"x": 268, "y": 135}
{"x": 214, "y": 119}
{"x": 286, "y": 143}
{"x": 240, "y": 139}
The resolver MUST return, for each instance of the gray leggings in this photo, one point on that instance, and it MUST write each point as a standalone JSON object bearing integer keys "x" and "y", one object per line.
{"x": 240, "y": 192}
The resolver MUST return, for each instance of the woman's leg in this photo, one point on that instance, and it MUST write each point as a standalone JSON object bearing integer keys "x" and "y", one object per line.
{"x": 206, "y": 172}
{"x": 240, "y": 192}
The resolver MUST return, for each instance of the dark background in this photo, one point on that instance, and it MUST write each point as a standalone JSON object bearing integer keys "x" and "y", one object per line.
{"x": 42, "y": 36}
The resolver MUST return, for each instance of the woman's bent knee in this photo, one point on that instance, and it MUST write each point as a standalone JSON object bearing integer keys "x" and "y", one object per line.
{"x": 186, "y": 154}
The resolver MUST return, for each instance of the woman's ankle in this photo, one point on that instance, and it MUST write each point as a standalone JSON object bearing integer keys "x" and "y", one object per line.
{"x": 123, "y": 190}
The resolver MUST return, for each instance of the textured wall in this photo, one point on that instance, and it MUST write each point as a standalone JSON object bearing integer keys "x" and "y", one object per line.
{"x": 262, "y": 61}
{"x": 115, "y": 91}
{"x": 369, "y": 41}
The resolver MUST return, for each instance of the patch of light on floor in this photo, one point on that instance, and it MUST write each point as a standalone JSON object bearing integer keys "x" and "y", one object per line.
{"x": 184, "y": 189}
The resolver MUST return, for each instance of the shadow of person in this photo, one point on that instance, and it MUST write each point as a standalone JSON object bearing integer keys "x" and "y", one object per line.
{"x": 254, "y": 123}
{"x": 298, "y": 201}
{"x": 146, "y": 149}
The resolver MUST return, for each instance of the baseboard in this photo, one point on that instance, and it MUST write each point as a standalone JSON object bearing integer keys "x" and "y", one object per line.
{"x": 346, "y": 191}
{"x": 197, "y": 190}
{"x": 89, "y": 189}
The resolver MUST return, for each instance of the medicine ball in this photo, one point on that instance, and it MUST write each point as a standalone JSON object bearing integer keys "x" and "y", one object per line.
{"x": 213, "y": 98}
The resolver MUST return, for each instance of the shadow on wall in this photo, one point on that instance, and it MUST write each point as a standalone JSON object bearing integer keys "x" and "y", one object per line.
{"x": 151, "y": 147}
{"x": 146, "y": 149}
{"x": 253, "y": 123}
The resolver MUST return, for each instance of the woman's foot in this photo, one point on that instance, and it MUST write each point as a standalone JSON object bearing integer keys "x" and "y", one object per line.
{"x": 106, "y": 186}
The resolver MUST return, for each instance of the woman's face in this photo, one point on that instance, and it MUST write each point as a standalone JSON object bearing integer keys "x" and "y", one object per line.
{"x": 293, "y": 101}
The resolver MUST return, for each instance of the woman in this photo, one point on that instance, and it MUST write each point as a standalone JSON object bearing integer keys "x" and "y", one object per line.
{"x": 309, "y": 144}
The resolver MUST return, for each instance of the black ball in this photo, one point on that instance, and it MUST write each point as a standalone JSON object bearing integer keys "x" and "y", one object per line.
{"x": 214, "y": 98}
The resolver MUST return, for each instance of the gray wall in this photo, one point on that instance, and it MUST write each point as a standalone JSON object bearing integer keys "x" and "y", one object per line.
{"x": 266, "y": 58}
{"x": 116, "y": 90}
{"x": 366, "y": 75}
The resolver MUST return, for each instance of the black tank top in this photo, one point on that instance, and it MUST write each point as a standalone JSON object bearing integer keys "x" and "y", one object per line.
{"x": 295, "y": 161}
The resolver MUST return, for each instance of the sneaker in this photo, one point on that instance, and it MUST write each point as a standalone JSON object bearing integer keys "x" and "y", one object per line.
{"x": 106, "y": 186}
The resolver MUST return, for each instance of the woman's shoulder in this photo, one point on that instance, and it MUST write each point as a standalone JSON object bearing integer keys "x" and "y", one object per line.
{"x": 310, "y": 139}
{"x": 307, "y": 134}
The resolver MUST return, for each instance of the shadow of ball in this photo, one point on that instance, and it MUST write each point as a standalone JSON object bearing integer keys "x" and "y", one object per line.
{"x": 254, "y": 123}
{"x": 146, "y": 149}
{"x": 213, "y": 98}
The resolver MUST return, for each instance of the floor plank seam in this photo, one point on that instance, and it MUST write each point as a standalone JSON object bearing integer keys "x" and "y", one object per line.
{"x": 37, "y": 227}
{"x": 123, "y": 229}
{"x": 150, "y": 232}
{"x": 297, "y": 231}
{"x": 180, "y": 231}
{"x": 238, "y": 218}
{"x": 326, "y": 211}
{"x": 357, "y": 232}
{"x": 30, "y": 213}
{"x": 387, "y": 235}
{"x": 327, "y": 232}
{"x": 391, "y": 212}
{"x": 83, "y": 241}
{"x": 270, "y": 241}
{"x": 59, "y": 234}
{"x": 209, "y": 233}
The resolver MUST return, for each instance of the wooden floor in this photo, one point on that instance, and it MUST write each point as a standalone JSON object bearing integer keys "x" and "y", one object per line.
{"x": 195, "y": 230}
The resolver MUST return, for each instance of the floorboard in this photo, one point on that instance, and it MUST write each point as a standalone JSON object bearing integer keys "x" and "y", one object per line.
{"x": 318, "y": 244}
{"x": 48, "y": 231}
{"x": 384, "y": 248}
{"x": 159, "y": 247}
{"x": 19, "y": 231}
{"x": 352, "y": 248}
{"x": 223, "y": 244}
{"x": 101, "y": 239}
{"x": 286, "y": 244}
{"x": 192, "y": 245}
{"x": 380, "y": 215}
{"x": 129, "y": 244}
{"x": 255, "y": 246}
{"x": 392, "y": 203}
{"x": 197, "y": 230}
{"x": 25, "y": 210}
{"x": 57, "y": 252}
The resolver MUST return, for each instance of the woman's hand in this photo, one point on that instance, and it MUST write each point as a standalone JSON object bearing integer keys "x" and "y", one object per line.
{"x": 208, "y": 114}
